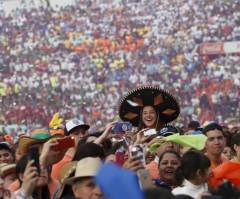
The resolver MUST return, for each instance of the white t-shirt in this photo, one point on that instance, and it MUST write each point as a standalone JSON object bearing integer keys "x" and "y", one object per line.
{"x": 190, "y": 189}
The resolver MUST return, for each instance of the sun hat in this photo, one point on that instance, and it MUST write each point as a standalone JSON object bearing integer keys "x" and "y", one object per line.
{"x": 86, "y": 167}
{"x": 6, "y": 169}
{"x": 65, "y": 172}
{"x": 37, "y": 136}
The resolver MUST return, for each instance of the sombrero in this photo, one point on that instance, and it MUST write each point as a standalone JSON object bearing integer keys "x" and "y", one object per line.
{"x": 37, "y": 136}
{"x": 165, "y": 104}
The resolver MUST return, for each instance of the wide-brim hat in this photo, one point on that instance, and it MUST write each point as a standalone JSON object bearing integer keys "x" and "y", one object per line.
{"x": 164, "y": 103}
{"x": 87, "y": 167}
{"x": 38, "y": 136}
{"x": 7, "y": 169}
{"x": 66, "y": 171}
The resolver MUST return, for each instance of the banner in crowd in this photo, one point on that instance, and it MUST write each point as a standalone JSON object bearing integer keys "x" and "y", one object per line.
{"x": 219, "y": 48}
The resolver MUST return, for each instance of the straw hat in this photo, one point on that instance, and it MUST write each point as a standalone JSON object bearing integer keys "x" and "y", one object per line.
{"x": 87, "y": 167}
{"x": 65, "y": 172}
{"x": 37, "y": 136}
{"x": 6, "y": 169}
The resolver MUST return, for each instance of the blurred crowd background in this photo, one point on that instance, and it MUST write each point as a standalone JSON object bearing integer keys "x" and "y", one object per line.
{"x": 80, "y": 60}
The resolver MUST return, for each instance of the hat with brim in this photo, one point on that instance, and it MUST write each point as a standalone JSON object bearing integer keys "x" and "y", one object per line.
{"x": 7, "y": 169}
{"x": 164, "y": 103}
{"x": 75, "y": 123}
{"x": 38, "y": 136}
{"x": 167, "y": 130}
{"x": 87, "y": 167}
{"x": 66, "y": 171}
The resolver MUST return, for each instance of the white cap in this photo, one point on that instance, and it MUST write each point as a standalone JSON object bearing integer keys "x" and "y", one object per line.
{"x": 73, "y": 123}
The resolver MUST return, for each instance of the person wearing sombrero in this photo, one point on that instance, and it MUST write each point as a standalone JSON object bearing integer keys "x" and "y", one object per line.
{"x": 149, "y": 107}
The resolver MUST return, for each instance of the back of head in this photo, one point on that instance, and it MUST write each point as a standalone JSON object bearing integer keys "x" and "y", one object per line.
{"x": 192, "y": 161}
{"x": 88, "y": 150}
{"x": 193, "y": 125}
{"x": 158, "y": 193}
{"x": 236, "y": 139}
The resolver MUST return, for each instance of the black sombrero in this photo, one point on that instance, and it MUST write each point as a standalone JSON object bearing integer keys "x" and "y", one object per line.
{"x": 132, "y": 104}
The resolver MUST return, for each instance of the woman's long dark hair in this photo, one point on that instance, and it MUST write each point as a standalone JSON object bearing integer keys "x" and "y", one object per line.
{"x": 20, "y": 169}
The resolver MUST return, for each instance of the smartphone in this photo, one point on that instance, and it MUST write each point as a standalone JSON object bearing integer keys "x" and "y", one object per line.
{"x": 150, "y": 132}
{"x": 137, "y": 151}
{"x": 144, "y": 179}
{"x": 122, "y": 127}
{"x": 64, "y": 143}
{"x": 120, "y": 157}
{"x": 33, "y": 154}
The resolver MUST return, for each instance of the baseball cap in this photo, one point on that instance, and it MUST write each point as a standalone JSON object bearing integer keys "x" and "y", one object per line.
{"x": 168, "y": 130}
{"x": 73, "y": 123}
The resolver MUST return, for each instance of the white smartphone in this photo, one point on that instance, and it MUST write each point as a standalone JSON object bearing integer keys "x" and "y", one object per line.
{"x": 150, "y": 132}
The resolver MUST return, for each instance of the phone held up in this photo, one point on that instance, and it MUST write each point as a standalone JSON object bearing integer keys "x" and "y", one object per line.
{"x": 64, "y": 143}
{"x": 122, "y": 127}
{"x": 33, "y": 154}
{"x": 137, "y": 152}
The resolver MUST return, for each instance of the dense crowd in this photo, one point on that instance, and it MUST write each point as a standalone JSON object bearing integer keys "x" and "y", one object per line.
{"x": 141, "y": 158}
{"x": 79, "y": 60}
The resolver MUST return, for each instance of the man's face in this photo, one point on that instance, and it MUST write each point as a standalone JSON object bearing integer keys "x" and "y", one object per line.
{"x": 78, "y": 133}
{"x": 215, "y": 142}
{"x": 87, "y": 189}
{"x": 6, "y": 156}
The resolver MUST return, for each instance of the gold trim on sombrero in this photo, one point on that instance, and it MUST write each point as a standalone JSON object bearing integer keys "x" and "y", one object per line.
{"x": 168, "y": 111}
{"x": 130, "y": 115}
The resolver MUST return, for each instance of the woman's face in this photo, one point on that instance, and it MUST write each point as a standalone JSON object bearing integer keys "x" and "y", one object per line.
{"x": 168, "y": 166}
{"x": 149, "y": 117}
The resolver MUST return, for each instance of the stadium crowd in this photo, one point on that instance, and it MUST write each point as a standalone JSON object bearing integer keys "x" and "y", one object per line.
{"x": 80, "y": 59}
{"x": 89, "y": 94}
